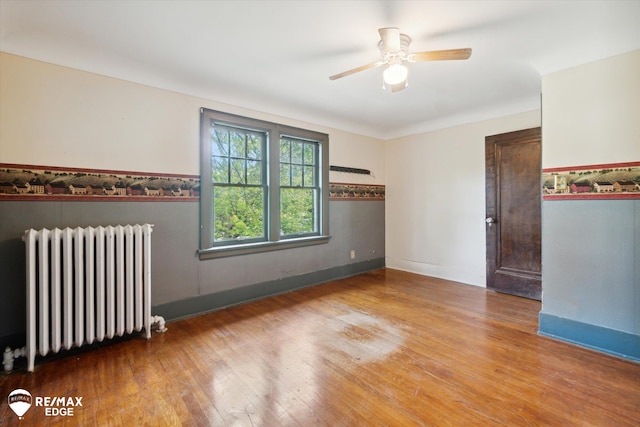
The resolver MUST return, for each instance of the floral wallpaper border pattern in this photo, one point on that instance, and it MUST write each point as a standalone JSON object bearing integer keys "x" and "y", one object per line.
{"x": 28, "y": 182}
{"x": 604, "y": 181}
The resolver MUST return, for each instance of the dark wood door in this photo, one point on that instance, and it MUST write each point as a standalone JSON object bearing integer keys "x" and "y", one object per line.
{"x": 513, "y": 213}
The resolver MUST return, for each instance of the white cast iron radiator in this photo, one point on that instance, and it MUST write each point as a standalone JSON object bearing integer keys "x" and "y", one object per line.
{"x": 85, "y": 285}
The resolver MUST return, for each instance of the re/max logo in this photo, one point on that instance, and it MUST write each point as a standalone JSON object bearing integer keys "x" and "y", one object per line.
{"x": 58, "y": 401}
{"x": 20, "y": 401}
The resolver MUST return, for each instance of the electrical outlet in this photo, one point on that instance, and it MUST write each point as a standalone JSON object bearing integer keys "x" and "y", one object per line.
{"x": 353, "y": 254}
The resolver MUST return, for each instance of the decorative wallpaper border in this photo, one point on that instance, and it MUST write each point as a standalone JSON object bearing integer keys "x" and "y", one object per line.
{"x": 343, "y": 191}
{"x": 604, "y": 181}
{"x": 52, "y": 183}
{"x": 25, "y": 182}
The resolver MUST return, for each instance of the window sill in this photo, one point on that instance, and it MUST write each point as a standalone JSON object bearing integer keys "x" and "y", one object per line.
{"x": 254, "y": 248}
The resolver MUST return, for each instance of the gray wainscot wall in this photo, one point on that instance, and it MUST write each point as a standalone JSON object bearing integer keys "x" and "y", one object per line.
{"x": 591, "y": 274}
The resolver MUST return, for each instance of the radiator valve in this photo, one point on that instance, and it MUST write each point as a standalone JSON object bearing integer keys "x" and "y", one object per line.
{"x": 9, "y": 355}
{"x": 160, "y": 323}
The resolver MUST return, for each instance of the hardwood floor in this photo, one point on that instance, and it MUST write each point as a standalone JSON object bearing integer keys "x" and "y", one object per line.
{"x": 382, "y": 348}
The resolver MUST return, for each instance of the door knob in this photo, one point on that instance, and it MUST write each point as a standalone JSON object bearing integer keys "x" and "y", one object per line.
{"x": 490, "y": 220}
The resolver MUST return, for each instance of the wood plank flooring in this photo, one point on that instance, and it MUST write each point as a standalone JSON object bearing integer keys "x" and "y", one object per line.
{"x": 386, "y": 348}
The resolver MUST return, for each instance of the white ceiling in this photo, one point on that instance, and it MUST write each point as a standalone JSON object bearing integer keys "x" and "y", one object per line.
{"x": 277, "y": 56}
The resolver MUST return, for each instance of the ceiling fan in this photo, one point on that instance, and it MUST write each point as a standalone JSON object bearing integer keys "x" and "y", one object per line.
{"x": 394, "y": 48}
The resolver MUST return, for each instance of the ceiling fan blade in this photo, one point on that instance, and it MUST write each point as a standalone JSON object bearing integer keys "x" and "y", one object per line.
{"x": 390, "y": 39}
{"x": 440, "y": 55}
{"x": 356, "y": 70}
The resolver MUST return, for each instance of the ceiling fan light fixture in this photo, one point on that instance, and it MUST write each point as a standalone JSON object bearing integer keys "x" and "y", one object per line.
{"x": 394, "y": 51}
{"x": 395, "y": 74}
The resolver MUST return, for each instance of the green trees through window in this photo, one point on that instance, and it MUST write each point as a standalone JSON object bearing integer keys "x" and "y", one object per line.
{"x": 239, "y": 183}
{"x": 298, "y": 186}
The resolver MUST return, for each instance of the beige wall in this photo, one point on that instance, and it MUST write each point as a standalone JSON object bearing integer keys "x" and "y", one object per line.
{"x": 57, "y": 116}
{"x": 435, "y": 206}
{"x": 592, "y": 113}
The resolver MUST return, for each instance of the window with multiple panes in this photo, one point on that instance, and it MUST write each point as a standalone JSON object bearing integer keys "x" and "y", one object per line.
{"x": 239, "y": 179}
{"x": 299, "y": 187}
{"x": 263, "y": 186}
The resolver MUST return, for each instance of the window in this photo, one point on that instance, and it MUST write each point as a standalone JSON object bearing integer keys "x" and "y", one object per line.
{"x": 263, "y": 186}
{"x": 238, "y": 176}
{"x": 299, "y": 187}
